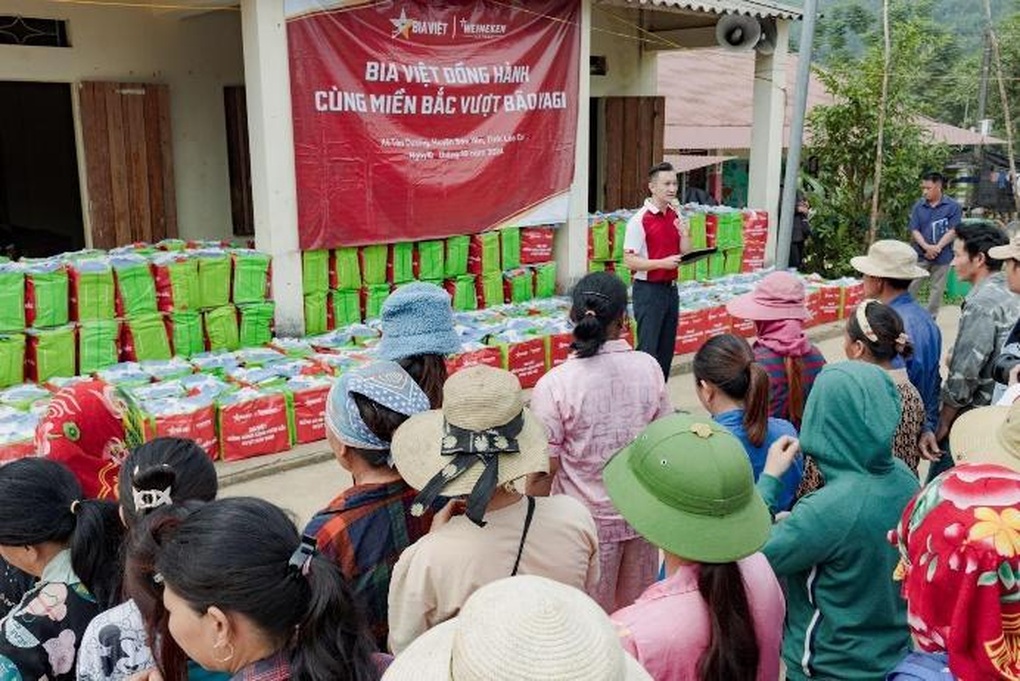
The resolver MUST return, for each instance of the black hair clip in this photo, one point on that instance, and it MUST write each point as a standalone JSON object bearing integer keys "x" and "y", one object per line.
{"x": 301, "y": 559}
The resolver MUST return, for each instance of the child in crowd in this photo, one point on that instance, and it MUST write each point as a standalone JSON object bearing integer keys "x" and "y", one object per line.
{"x": 776, "y": 306}
{"x": 418, "y": 334}
{"x": 365, "y": 529}
{"x": 70, "y": 545}
{"x": 734, "y": 389}
{"x": 686, "y": 485}
{"x": 481, "y": 441}
{"x": 517, "y": 628}
{"x": 843, "y": 621}
{"x": 592, "y": 405}
{"x": 958, "y": 564}
{"x": 245, "y": 594}
{"x": 155, "y": 476}
{"x": 875, "y": 334}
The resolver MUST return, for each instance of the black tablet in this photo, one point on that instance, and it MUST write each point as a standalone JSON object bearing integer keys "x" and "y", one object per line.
{"x": 696, "y": 255}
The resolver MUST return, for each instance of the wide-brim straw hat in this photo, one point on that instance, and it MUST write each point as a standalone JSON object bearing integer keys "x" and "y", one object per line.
{"x": 476, "y": 399}
{"x": 1010, "y": 251}
{"x": 889, "y": 259}
{"x": 987, "y": 435}
{"x": 518, "y": 629}
{"x": 687, "y": 486}
{"x": 778, "y": 296}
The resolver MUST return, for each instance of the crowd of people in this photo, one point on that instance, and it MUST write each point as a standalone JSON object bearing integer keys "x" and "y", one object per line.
{"x": 594, "y": 533}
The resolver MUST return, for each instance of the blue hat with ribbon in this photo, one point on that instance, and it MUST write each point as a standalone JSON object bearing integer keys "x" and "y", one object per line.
{"x": 383, "y": 382}
{"x": 417, "y": 319}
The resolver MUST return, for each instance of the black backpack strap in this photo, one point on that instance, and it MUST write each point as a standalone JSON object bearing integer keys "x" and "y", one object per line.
{"x": 524, "y": 534}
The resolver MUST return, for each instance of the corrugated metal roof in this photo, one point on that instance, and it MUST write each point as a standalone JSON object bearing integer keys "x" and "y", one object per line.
{"x": 754, "y": 8}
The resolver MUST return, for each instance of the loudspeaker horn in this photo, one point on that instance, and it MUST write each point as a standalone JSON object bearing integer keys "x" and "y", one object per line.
{"x": 737, "y": 32}
{"x": 767, "y": 42}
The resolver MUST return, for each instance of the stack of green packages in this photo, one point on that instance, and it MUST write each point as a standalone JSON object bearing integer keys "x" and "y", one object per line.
{"x": 177, "y": 285}
{"x": 375, "y": 296}
{"x": 699, "y": 239}
{"x": 402, "y": 263}
{"x": 519, "y": 285}
{"x": 347, "y": 269}
{"x": 97, "y": 345}
{"x": 484, "y": 254}
{"x": 186, "y": 332}
{"x": 46, "y": 295}
{"x": 315, "y": 281}
{"x": 457, "y": 256}
{"x": 213, "y": 279}
{"x": 346, "y": 307}
{"x": 12, "y": 359}
{"x": 50, "y": 353}
{"x": 373, "y": 264}
{"x": 510, "y": 247}
{"x": 431, "y": 255}
{"x": 145, "y": 338}
{"x": 619, "y": 229}
{"x": 221, "y": 329}
{"x": 91, "y": 290}
{"x": 256, "y": 326}
{"x": 12, "y": 298}
{"x": 545, "y": 280}
{"x": 251, "y": 276}
{"x": 135, "y": 287}
{"x": 730, "y": 241}
{"x": 462, "y": 290}
{"x": 599, "y": 240}
{"x": 490, "y": 289}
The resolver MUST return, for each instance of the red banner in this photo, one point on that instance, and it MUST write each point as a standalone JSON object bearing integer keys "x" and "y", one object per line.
{"x": 421, "y": 119}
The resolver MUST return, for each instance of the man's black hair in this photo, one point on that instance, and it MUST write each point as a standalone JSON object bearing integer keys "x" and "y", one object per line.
{"x": 934, "y": 176}
{"x": 663, "y": 167}
{"x": 977, "y": 238}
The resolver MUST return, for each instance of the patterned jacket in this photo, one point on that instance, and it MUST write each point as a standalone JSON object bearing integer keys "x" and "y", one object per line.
{"x": 989, "y": 313}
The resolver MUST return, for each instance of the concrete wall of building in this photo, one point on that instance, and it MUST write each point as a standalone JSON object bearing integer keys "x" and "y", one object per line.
{"x": 617, "y": 36}
{"x": 196, "y": 55}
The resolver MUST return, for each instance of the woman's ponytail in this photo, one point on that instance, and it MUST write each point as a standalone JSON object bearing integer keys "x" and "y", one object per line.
{"x": 756, "y": 404}
{"x": 95, "y": 547}
{"x": 732, "y": 651}
{"x": 332, "y": 641}
{"x": 599, "y": 302}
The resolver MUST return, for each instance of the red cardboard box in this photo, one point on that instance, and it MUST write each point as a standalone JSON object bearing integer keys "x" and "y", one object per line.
{"x": 199, "y": 426}
{"x": 559, "y": 348}
{"x": 309, "y": 414}
{"x": 254, "y": 427}
{"x": 489, "y": 356}
{"x": 852, "y": 296}
{"x": 742, "y": 327}
{"x": 537, "y": 245}
{"x": 526, "y": 361}
{"x": 690, "y": 331}
{"x": 717, "y": 321}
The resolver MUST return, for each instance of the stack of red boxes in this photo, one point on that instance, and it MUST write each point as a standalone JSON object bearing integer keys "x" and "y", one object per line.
{"x": 756, "y": 234}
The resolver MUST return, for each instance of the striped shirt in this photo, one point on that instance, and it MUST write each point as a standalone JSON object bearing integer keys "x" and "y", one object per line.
{"x": 779, "y": 387}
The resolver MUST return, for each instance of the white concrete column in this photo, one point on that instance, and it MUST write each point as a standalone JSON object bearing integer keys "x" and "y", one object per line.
{"x": 571, "y": 250}
{"x": 271, "y": 139}
{"x": 765, "y": 167}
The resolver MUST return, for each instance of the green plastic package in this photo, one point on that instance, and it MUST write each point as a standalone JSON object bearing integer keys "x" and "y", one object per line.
{"x": 221, "y": 328}
{"x": 599, "y": 246}
{"x": 213, "y": 280}
{"x": 464, "y": 293}
{"x": 251, "y": 277}
{"x": 12, "y": 359}
{"x": 457, "y": 256}
{"x": 596, "y": 265}
{"x": 315, "y": 314}
{"x": 97, "y": 345}
{"x": 688, "y": 272}
{"x": 623, "y": 272}
{"x": 375, "y": 296}
{"x": 348, "y": 269}
{"x": 256, "y": 327}
{"x": 520, "y": 286}
{"x": 431, "y": 259}
{"x": 510, "y": 247}
{"x": 402, "y": 262}
{"x": 619, "y": 238}
{"x": 545, "y": 280}
{"x": 12, "y": 300}
{"x": 145, "y": 338}
{"x": 483, "y": 253}
{"x": 701, "y": 270}
{"x": 373, "y": 264}
{"x": 136, "y": 289}
{"x": 491, "y": 289}
{"x": 51, "y": 352}
{"x": 315, "y": 271}
{"x": 47, "y": 295}
{"x": 716, "y": 265}
{"x": 734, "y": 261}
{"x": 699, "y": 234}
{"x": 92, "y": 291}
{"x": 346, "y": 307}
{"x": 186, "y": 333}
{"x": 177, "y": 284}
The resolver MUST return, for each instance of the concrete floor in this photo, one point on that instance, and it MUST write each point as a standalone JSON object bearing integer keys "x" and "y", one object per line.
{"x": 307, "y": 487}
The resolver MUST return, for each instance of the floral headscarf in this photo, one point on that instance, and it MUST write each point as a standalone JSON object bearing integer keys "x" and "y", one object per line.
{"x": 84, "y": 429}
{"x": 959, "y": 542}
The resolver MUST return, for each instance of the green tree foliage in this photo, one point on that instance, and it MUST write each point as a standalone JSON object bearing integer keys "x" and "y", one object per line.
{"x": 844, "y": 138}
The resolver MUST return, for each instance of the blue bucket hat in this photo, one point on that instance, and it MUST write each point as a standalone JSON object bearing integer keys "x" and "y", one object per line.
{"x": 417, "y": 319}
{"x": 385, "y": 383}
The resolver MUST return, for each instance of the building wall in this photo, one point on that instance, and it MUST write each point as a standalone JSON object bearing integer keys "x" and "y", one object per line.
{"x": 631, "y": 69}
{"x": 195, "y": 55}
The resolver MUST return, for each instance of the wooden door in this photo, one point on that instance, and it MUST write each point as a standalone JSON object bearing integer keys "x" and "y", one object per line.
{"x": 128, "y": 161}
{"x": 239, "y": 160}
{"x": 633, "y": 131}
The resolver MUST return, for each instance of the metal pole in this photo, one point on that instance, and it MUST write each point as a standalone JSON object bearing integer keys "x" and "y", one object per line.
{"x": 789, "y": 202}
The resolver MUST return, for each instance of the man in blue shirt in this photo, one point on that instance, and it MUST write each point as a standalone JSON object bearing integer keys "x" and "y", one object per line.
{"x": 933, "y": 223}
{"x": 889, "y": 269}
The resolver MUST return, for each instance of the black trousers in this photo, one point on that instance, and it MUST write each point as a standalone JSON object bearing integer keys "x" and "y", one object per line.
{"x": 656, "y": 311}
